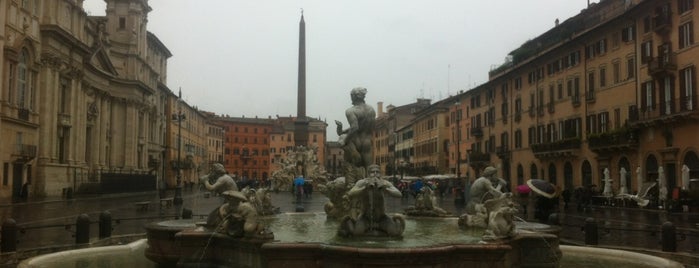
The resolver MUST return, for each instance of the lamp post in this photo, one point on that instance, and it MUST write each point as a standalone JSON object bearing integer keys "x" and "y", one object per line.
{"x": 179, "y": 117}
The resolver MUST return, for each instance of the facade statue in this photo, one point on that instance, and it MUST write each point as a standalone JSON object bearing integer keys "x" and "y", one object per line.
{"x": 236, "y": 218}
{"x": 356, "y": 140}
{"x": 218, "y": 181}
{"x": 486, "y": 187}
{"x": 372, "y": 219}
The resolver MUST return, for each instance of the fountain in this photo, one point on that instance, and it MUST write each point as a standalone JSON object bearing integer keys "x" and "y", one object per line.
{"x": 355, "y": 230}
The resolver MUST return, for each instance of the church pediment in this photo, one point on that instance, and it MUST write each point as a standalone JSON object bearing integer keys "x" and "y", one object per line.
{"x": 100, "y": 60}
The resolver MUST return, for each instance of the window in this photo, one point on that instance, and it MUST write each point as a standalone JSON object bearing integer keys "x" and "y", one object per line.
{"x": 684, "y": 5}
{"x": 518, "y": 139}
{"x": 617, "y": 118}
{"x": 570, "y": 87}
{"x": 687, "y": 88}
{"x": 616, "y": 71}
{"x": 122, "y": 23}
{"x": 602, "y": 77}
{"x": 630, "y": 68}
{"x": 686, "y": 35}
{"x": 591, "y": 85}
{"x": 646, "y": 24}
{"x": 560, "y": 90}
{"x": 628, "y": 34}
{"x": 603, "y": 122}
{"x": 648, "y": 97}
{"x": 646, "y": 51}
{"x": 22, "y": 78}
{"x": 518, "y": 83}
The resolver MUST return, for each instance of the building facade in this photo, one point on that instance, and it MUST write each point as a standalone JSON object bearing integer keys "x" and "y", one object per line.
{"x": 81, "y": 95}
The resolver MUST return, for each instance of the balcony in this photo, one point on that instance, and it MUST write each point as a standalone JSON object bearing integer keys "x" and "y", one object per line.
{"x": 478, "y": 157}
{"x": 503, "y": 152}
{"x": 662, "y": 23}
{"x": 575, "y": 99}
{"x": 590, "y": 96}
{"x": 662, "y": 66}
{"x": 24, "y": 152}
{"x": 556, "y": 149}
{"x": 23, "y": 114}
{"x": 623, "y": 139}
{"x": 477, "y": 132}
{"x": 674, "y": 111}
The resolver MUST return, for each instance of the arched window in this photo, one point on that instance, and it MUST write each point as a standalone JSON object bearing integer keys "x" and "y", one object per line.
{"x": 568, "y": 175}
{"x": 552, "y": 174}
{"x": 534, "y": 172}
{"x": 520, "y": 174}
{"x": 651, "y": 169}
{"x": 692, "y": 162}
{"x": 586, "y": 173}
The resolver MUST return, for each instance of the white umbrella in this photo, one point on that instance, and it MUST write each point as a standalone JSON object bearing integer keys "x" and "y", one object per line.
{"x": 639, "y": 180}
{"x": 607, "y": 184}
{"x": 622, "y": 181}
{"x": 662, "y": 184}
{"x": 685, "y": 177}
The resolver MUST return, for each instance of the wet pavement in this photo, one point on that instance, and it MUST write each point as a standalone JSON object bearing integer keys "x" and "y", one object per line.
{"x": 47, "y": 222}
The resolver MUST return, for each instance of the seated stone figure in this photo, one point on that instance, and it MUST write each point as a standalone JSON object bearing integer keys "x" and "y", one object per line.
{"x": 426, "y": 205}
{"x": 338, "y": 204}
{"x": 484, "y": 188}
{"x": 218, "y": 181}
{"x": 372, "y": 220}
{"x": 236, "y": 218}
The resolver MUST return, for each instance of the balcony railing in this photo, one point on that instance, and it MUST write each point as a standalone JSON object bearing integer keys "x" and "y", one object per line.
{"x": 26, "y": 151}
{"x": 665, "y": 109}
{"x": 575, "y": 99}
{"x": 502, "y": 151}
{"x": 23, "y": 114}
{"x": 567, "y": 144}
{"x": 590, "y": 96}
{"x": 663, "y": 65}
{"x": 478, "y": 157}
{"x": 477, "y": 132}
{"x": 613, "y": 140}
{"x": 662, "y": 23}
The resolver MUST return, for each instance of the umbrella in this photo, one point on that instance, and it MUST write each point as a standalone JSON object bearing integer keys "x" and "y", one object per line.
{"x": 542, "y": 187}
{"x": 523, "y": 189}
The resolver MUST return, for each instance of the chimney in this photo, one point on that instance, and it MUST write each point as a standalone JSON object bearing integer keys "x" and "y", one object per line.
{"x": 379, "y": 108}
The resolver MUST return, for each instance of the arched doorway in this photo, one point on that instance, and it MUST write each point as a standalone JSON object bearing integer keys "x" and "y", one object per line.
{"x": 586, "y": 171}
{"x": 552, "y": 174}
{"x": 624, "y": 163}
{"x": 692, "y": 162}
{"x": 534, "y": 172}
{"x": 520, "y": 174}
{"x": 568, "y": 175}
{"x": 651, "y": 169}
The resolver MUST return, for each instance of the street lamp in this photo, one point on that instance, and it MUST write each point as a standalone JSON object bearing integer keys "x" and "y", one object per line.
{"x": 179, "y": 117}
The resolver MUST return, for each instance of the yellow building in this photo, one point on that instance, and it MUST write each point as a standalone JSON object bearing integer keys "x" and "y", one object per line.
{"x": 83, "y": 98}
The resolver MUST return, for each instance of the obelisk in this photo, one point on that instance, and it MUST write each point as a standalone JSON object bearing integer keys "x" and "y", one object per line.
{"x": 301, "y": 123}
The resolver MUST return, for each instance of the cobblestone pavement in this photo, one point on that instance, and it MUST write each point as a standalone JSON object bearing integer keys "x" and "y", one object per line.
{"x": 47, "y": 222}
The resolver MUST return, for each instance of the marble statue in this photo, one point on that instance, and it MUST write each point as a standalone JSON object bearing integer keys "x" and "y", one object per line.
{"x": 489, "y": 207}
{"x": 261, "y": 200}
{"x": 372, "y": 219}
{"x": 338, "y": 204}
{"x": 607, "y": 184}
{"x": 236, "y": 218}
{"x": 218, "y": 181}
{"x": 356, "y": 140}
{"x": 300, "y": 161}
{"x": 486, "y": 187}
{"x": 426, "y": 205}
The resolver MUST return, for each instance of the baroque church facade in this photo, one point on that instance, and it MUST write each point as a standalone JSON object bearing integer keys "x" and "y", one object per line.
{"x": 81, "y": 95}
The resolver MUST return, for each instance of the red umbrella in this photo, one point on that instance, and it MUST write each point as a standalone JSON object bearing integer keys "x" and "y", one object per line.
{"x": 523, "y": 189}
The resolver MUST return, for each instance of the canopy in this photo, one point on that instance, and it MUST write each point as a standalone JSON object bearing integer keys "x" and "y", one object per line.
{"x": 439, "y": 176}
{"x": 542, "y": 187}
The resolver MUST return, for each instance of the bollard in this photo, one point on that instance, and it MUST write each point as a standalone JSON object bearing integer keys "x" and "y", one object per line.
{"x": 105, "y": 224}
{"x": 8, "y": 236}
{"x": 82, "y": 229}
{"x": 186, "y": 213}
{"x": 668, "y": 237}
{"x": 590, "y": 232}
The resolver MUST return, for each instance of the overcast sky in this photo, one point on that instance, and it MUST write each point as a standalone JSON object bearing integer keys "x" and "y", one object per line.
{"x": 241, "y": 57}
